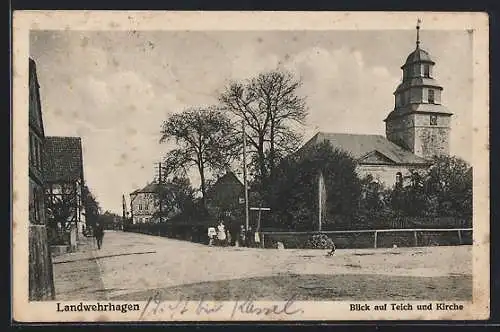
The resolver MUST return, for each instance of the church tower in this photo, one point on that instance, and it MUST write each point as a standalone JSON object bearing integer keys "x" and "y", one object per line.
{"x": 419, "y": 122}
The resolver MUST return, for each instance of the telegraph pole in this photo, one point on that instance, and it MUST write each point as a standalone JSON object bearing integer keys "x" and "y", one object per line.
{"x": 245, "y": 174}
{"x": 124, "y": 210}
{"x": 159, "y": 191}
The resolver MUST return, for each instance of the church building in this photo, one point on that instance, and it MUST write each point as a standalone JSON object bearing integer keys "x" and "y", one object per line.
{"x": 417, "y": 129}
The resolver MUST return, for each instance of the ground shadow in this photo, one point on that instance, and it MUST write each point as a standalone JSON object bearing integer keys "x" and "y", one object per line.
{"x": 316, "y": 287}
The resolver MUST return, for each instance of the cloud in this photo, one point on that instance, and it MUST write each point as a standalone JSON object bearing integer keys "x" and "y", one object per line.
{"x": 342, "y": 93}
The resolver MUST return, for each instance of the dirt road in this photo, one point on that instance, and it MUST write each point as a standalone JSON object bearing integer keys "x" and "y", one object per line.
{"x": 131, "y": 265}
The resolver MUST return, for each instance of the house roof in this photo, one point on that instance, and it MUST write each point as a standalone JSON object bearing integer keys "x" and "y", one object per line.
{"x": 360, "y": 146}
{"x": 35, "y": 112}
{"x": 64, "y": 159}
{"x": 150, "y": 188}
{"x": 228, "y": 178}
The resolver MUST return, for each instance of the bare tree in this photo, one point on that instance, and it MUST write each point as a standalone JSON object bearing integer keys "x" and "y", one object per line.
{"x": 205, "y": 139}
{"x": 272, "y": 111}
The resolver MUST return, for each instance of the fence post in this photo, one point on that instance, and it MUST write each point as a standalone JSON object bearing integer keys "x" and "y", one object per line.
{"x": 416, "y": 238}
{"x": 459, "y": 237}
{"x": 375, "y": 240}
{"x": 262, "y": 240}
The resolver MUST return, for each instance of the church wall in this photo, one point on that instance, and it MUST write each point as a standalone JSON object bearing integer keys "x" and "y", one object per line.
{"x": 423, "y": 120}
{"x": 386, "y": 173}
{"x": 398, "y": 133}
{"x": 416, "y": 95}
{"x": 431, "y": 141}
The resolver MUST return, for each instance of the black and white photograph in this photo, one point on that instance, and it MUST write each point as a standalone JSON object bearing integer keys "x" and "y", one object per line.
{"x": 305, "y": 170}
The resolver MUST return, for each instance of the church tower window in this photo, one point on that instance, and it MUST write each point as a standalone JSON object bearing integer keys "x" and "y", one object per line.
{"x": 430, "y": 96}
{"x": 427, "y": 70}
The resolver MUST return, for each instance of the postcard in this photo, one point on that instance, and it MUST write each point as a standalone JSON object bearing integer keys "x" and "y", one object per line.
{"x": 250, "y": 166}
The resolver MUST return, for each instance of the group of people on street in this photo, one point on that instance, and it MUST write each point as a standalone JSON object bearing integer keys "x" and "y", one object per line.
{"x": 222, "y": 236}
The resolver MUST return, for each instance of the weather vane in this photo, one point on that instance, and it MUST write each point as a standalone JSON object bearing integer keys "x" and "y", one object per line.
{"x": 418, "y": 32}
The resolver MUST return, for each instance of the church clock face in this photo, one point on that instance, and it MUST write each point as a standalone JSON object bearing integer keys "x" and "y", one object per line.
{"x": 433, "y": 120}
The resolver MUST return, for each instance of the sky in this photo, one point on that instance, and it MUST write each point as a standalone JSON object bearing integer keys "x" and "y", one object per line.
{"x": 115, "y": 88}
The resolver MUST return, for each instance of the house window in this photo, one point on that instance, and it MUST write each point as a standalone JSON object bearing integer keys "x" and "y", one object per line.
{"x": 430, "y": 96}
{"x": 427, "y": 70}
{"x": 140, "y": 206}
{"x": 433, "y": 120}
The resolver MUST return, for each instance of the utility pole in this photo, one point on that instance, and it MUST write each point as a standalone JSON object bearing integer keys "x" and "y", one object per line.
{"x": 124, "y": 210}
{"x": 245, "y": 174}
{"x": 159, "y": 191}
{"x": 321, "y": 199}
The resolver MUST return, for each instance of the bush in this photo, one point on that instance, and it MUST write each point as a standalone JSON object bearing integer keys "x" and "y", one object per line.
{"x": 320, "y": 241}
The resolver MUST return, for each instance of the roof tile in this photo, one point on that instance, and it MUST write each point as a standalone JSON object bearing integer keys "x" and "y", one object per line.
{"x": 63, "y": 159}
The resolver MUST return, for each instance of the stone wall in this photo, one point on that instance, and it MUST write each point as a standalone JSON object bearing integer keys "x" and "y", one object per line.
{"x": 386, "y": 174}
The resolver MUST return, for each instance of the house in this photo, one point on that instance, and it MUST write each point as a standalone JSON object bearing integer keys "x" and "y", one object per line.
{"x": 65, "y": 181}
{"x": 41, "y": 282}
{"x": 417, "y": 128}
{"x": 36, "y": 151}
{"x": 145, "y": 205}
{"x": 227, "y": 194}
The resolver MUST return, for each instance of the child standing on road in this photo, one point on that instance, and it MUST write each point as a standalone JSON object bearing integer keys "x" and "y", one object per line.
{"x": 211, "y": 236}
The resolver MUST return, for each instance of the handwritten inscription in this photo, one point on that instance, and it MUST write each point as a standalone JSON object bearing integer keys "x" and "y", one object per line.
{"x": 156, "y": 306}
{"x": 252, "y": 308}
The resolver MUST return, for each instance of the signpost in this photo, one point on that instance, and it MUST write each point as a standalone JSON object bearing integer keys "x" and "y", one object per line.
{"x": 257, "y": 231}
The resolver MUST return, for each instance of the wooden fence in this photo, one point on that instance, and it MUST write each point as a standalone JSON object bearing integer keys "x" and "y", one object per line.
{"x": 374, "y": 238}
{"x": 41, "y": 282}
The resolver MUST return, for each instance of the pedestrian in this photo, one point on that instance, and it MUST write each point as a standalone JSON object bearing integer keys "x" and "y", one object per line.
{"x": 256, "y": 240}
{"x": 242, "y": 235}
{"x": 211, "y": 235}
{"x": 249, "y": 237}
{"x": 99, "y": 234}
{"x": 221, "y": 234}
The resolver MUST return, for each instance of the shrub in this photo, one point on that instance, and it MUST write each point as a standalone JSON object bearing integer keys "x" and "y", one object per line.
{"x": 319, "y": 241}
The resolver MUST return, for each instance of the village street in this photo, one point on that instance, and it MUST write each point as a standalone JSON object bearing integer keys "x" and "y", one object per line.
{"x": 130, "y": 266}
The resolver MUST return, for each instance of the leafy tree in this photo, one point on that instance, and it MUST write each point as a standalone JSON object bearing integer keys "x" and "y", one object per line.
{"x": 295, "y": 187}
{"x": 271, "y": 109}
{"x": 445, "y": 189}
{"x": 205, "y": 140}
{"x": 91, "y": 205}
{"x": 176, "y": 196}
{"x": 108, "y": 219}
{"x": 61, "y": 207}
{"x": 449, "y": 183}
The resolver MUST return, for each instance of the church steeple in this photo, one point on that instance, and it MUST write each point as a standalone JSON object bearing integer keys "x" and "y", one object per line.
{"x": 419, "y": 122}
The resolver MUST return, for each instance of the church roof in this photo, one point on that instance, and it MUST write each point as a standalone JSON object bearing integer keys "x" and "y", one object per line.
{"x": 63, "y": 161}
{"x": 418, "y": 82}
{"x": 362, "y": 146}
{"x": 418, "y": 55}
{"x": 419, "y": 108}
